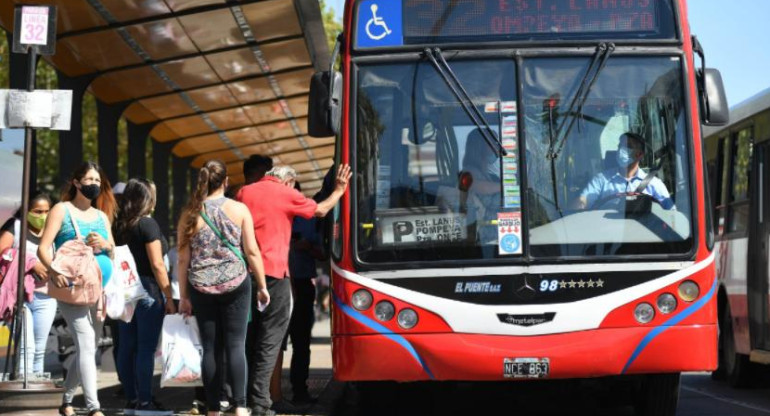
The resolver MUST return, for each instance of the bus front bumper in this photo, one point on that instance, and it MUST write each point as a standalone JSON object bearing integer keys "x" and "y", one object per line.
{"x": 586, "y": 354}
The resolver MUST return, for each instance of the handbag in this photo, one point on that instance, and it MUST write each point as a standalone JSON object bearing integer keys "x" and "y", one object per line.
{"x": 209, "y": 279}
{"x": 75, "y": 261}
{"x": 221, "y": 237}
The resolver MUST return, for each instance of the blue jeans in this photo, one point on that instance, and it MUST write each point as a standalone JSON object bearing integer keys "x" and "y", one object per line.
{"x": 38, "y": 318}
{"x": 136, "y": 352}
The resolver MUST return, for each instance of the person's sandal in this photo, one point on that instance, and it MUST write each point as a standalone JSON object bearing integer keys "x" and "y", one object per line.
{"x": 63, "y": 410}
{"x": 94, "y": 412}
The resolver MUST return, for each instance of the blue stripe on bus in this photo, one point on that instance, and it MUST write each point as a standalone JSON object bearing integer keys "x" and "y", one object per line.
{"x": 398, "y": 339}
{"x": 668, "y": 324}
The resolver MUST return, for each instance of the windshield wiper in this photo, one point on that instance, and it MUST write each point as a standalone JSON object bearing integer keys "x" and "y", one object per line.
{"x": 551, "y": 103}
{"x": 603, "y": 52}
{"x": 465, "y": 100}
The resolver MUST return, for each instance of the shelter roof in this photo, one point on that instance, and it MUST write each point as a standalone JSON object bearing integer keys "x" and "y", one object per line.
{"x": 218, "y": 78}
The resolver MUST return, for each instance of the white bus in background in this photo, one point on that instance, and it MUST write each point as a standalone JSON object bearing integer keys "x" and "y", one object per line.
{"x": 738, "y": 161}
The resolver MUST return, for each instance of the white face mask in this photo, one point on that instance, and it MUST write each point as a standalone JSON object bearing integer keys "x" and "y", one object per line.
{"x": 624, "y": 158}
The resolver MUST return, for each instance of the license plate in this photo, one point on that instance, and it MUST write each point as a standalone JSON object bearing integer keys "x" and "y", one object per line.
{"x": 526, "y": 367}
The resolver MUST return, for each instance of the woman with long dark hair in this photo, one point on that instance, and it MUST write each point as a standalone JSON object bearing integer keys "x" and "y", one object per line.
{"x": 87, "y": 201}
{"x": 139, "y": 338}
{"x": 215, "y": 233}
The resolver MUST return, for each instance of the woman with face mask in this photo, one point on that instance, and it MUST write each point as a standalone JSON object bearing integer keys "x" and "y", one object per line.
{"x": 38, "y": 314}
{"x": 88, "y": 201}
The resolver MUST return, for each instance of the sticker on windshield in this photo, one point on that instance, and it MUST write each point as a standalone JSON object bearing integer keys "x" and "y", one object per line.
{"x": 509, "y": 233}
{"x": 505, "y": 107}
{"x": 383, "y": 186}
{"x": 401, "y": 227}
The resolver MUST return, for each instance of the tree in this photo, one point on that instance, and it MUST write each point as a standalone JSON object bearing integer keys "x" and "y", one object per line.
{"x": 332, "y": 26}
{"x": 5, "y": 55}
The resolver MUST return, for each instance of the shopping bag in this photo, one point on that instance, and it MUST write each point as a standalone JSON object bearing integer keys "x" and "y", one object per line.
{"x": 114, "y": 299}
{"x": 124, "y": 268}
{"x": 182, "y": 352}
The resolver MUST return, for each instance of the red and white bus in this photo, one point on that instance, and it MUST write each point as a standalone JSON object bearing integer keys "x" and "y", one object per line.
{"x": 483, "y": 237}
{"x": 738, "y": 159}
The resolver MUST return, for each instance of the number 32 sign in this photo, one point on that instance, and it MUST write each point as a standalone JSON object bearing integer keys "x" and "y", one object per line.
{"x": 35, "y": 27}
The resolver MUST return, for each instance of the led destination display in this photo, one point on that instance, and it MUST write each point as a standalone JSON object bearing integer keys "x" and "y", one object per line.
{"x": 438, "y": 21}
{"x": 437, "y": 18}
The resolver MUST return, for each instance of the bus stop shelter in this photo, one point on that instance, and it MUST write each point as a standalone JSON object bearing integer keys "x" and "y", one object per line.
{"x": 201, "y": 79}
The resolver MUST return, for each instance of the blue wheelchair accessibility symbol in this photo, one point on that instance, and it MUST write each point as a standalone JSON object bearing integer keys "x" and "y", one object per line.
{"x": 379, "y": 23}
{"x": 509, "y": 243}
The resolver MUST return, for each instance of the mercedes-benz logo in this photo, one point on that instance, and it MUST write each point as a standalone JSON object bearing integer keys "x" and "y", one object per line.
{"x": 526, "y": 291}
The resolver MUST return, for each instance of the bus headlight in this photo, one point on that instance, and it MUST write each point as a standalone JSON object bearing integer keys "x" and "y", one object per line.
{"x": 362, "y": 299}
{"x": 689, "y": 291}
{"x": 666, "y": 303}
{"x": 644, "y": 313}
{"x": 407, "y": 318}
{"x": 384, "y": 310}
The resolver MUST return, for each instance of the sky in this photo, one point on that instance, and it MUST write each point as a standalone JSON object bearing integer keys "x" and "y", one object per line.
{"x": 734, "y": 35}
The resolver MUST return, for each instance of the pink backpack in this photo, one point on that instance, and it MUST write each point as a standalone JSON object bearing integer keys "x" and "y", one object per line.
{"x": 9, "y": 279}
{"x": 75, "y": 260}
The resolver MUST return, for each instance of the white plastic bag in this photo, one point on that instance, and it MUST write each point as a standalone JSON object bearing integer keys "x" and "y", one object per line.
{"x": 182, "y": 352}
{"x": 125, "y": 274}
{"x": 114, "y": 298}
{"x": 125, "y": 267}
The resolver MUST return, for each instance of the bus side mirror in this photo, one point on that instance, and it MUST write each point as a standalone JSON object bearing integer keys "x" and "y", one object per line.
{"x": 325, "y": 104}
{"x": 714, "y": 108}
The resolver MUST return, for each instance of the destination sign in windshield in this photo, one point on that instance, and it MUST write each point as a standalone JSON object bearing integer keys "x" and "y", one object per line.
{"x": 397, "y": 23}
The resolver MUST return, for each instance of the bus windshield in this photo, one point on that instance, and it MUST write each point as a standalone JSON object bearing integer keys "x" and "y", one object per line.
{"x": 596, "y": 161}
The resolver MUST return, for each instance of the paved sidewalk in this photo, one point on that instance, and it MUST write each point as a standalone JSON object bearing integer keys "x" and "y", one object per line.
{"x": 180, "y": 399}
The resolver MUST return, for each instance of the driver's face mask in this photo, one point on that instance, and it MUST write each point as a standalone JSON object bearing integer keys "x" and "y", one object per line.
{"x": 623, "y": 157}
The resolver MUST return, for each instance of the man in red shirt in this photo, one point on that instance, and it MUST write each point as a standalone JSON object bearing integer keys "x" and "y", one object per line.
{"x": 274, "y": 203}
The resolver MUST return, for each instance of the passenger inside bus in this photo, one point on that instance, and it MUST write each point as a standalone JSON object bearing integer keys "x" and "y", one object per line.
{"x": 610, "y": 187}
{"x": 481, "y": 174}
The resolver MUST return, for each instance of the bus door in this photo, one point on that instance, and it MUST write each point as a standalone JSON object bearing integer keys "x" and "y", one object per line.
{"x": 759, "y": 249}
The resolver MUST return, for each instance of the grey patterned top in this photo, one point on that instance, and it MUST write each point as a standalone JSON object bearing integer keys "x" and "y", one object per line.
{"x": 214, "y": 268}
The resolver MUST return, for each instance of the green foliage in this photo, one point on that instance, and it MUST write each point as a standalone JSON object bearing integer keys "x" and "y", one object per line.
{"x": 90, "y": 129}
{"x": 47, "y": 140}
{"x": 332, "y": 27}
{"x": 4, "y": 61}
{"x": 122, "y": 151}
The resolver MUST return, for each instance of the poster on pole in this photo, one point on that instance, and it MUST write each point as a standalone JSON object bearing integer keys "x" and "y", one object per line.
{"x": 48, "y": 109}
{"x": 35, "y": 27}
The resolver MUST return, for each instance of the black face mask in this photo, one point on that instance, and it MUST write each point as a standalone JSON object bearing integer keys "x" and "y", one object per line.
{"x": 90, "y": 191}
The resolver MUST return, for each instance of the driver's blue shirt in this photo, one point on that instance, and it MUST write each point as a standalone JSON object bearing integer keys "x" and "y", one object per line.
{"x": 611, "y": 182}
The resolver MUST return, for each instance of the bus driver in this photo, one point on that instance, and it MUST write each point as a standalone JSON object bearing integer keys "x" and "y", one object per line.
{"x": 625, "y": 179}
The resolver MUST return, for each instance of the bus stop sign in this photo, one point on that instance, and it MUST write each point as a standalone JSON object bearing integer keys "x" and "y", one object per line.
{"x": 35, "y": 28}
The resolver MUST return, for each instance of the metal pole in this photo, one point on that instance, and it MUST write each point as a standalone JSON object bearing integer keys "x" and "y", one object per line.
{"x": 22, "y": 257}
